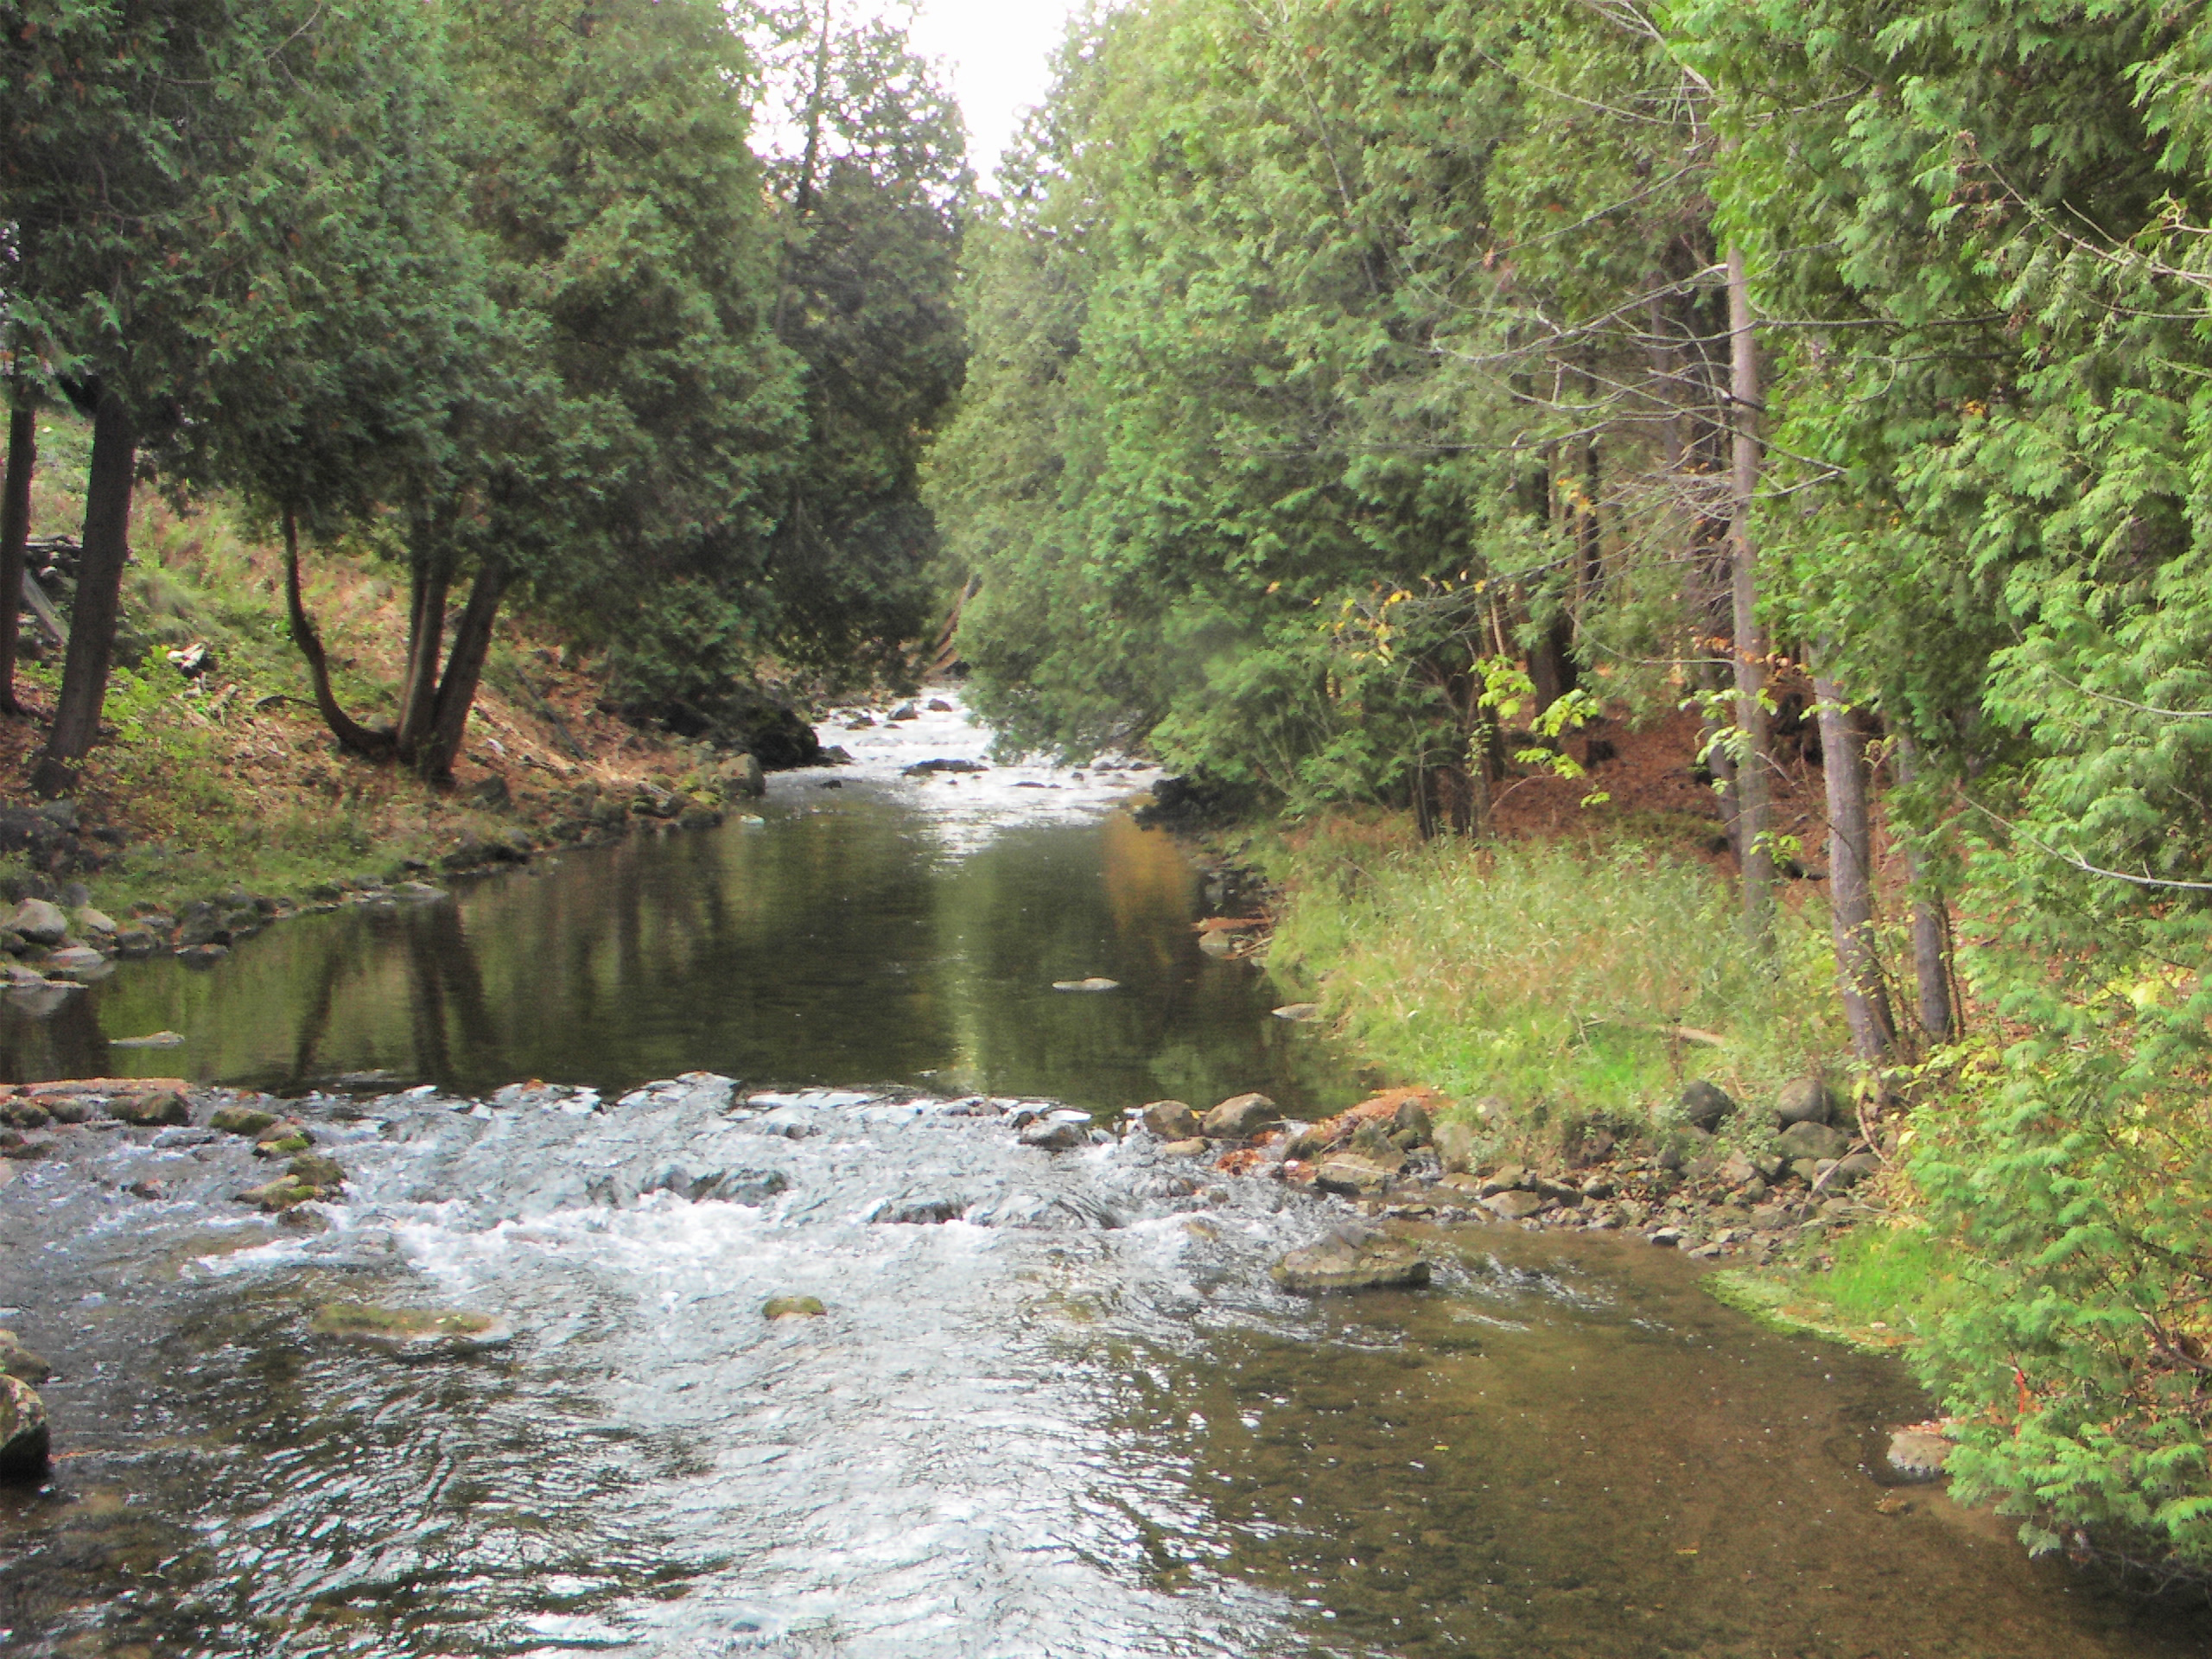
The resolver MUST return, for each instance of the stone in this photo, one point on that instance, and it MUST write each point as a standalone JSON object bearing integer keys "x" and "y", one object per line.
{"x": 39, "y": 922}
{"x": 282, "y": 1139}
{"x": 1171, "y": 1120}
{"x": 25, "y": 1441}
{"x": 1308, "y": 1141}
{"x": 1805, "y": 1139}
{"x": 1455, "y": 1146}
{"x": 1918, "y": 1453}
{"x": 1805, "y": 1100}
{"x": 200, "y": 925}
{"x": 1193, "y": 1147}
{"x": 792, "y": 1307}
{"x": 1057, "y": 1133}
{"x": 1240, "y": 1117}
{"x": 150, "y": 1110}
{"x": 1736, "y": 1170}
{"x": 1850, "y": 1170}
{"x": 152, "y": 1039}
{"x": 19, "y": 1361}
{"x": 201, "y": 955}
{"x": 95, "y": 923}
{"x": 137, "y": 942}
{"x": 1707, "y": 1105}
{"x": 1807, "y": 1170}
{"x": 281, "y": 1194}
{"x": 79, "y": 962}
{"x": 25, "y": 1114}
{"x": 919, "y": 1212}
{"x": 1413, "y": 1119}
{"x": 1096, "y": 982}
{"x": 241, "y": 1120}
{"x": 412, "y": 1333}
{"x": 1503, "y": 1178}
{"x": 1513, "y": 1204}
{"x": 1352, "y": 1259}
{"x": 316, "y": 1170}
{"x": 1354, "y": 1176}
{"x": 742, "y": 776}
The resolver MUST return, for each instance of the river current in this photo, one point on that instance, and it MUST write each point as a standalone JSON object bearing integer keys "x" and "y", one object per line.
{"x": 1075, "y": 1418}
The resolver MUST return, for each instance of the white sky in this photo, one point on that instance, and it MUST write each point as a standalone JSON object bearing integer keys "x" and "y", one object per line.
{"x": 998, "y": 52}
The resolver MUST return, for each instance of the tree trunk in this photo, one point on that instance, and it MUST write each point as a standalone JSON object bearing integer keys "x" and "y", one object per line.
{"x": 354, "y": 737}
{"x": 1931, "y": 927}
{"x": 14, "y": 531}
{"x": 1751, "y": 772}
{"x": 1851, "y": 879}
{"x": 431, "y": 581}
{"x": 1551, "y": 658}
{"x": 99, "y": 589}
{"x": 471, "y": 643}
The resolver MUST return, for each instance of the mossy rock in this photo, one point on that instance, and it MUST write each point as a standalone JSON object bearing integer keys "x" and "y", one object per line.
{"x": 316, "y": 1170}
{"x": 25, "y": 1440}
{"x": 283, "y": 1193}
{"x": 20, "y": 1362}
{"x": 241, "y": 1120}
{"x": 283, "y": 1140}
{"x": 792, "y": 1307}
{"x": 149, "y": 1112}
{"x": 412, "y": 1333}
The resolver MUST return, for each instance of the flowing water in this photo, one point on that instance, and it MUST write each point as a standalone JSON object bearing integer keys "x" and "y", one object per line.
{"x": 1076, "y": 1419}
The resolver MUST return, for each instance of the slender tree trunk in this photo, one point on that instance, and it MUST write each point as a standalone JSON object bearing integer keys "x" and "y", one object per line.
{"x": 1758, "y": 857}
{"x": 1551, "y": 658}
{"x": 354, "y": 737}
{"x": 431, "y": 581}
{"x": 14, "y": 531}
{"x": 1931, "y": 927}
{"x": 100, "y": 591}
{"x": 1851, "y": 879}
{"x": 471, "y": 643}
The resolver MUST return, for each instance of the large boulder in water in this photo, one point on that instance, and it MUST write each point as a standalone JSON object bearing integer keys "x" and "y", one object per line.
{"x": 25, "y": 1443}
{"x": 1352, "y": 1258}
{"x": 1171, "y": 1120}
{"x": 1241, "y": 1117}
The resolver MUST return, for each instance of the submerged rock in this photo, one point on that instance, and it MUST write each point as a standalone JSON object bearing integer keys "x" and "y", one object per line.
{"x": 241, "y": 1120}
{"x": 285, "y": 1192}
{"x": 1058, "y": 1133}
{"x": 412, "y": 1333}
{"x": 918, "y": 1213}
{"x": 1096, "y": 982}
{"x": 25, "y": 1441}
{"x": 1352, "y": 1259}
{"x": 1356, "y": 1176}
{"x": 792, "y": 1307}
{"x": 1918, "y": 1453}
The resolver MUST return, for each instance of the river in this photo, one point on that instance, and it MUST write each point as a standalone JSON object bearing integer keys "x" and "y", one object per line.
{"x": 1075, "y": 1420}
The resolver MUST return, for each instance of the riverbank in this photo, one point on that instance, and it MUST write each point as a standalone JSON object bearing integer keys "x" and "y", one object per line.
{"x": 217, "y": 801}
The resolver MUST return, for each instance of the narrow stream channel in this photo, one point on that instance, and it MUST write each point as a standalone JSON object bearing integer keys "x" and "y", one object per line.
{"x": 1077, "y": 1420}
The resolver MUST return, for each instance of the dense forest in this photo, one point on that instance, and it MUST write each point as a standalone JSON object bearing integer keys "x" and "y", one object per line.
{"x": 1343, "y": 402}
{"x": 641, "y": 314}
{"x": 1363, "y": 395}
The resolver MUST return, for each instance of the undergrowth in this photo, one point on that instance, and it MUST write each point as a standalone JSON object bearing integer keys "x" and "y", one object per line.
{"x": 1575, "y": 981}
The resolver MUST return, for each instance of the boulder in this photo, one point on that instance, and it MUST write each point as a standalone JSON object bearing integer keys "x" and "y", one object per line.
{"x": 241, "y": 1120}
{"x": 792, "y": 1307}
{"x": 1057, "y": 1133}
{"x": 79, "y": 962}
{"x": 39, "y": 922}
{"x": 25, "y": 1443}
{"x": 1171, "y": 1120}
{"x": 919, "y": 1212}
{"x": 137, "y": 942}
{"x": 282, "y": 1139}
{"x": 1192, "y": 1148}
{"x": 200, "y": 925}
{"x": 313, "y": 1169}
{"x": 148, "y": 1111}
{"x": 741, "y": 776}
{"x": 24, "y": 1115}
{"x": 20, "y": 1362}
{"x": 1851, "y": 1170}
{"x": 1514, "y": 1205}
{"x": 1805, "y": 1100}
{"x": 1309, "y": 1141}
{"x": 94, "y": 923}
{"x": 1918, "y": 1453}
{"x": 1352, "y": 1258}
{"x": 1804, "y": 1139}
{"x": 1355, "y": 1176}
{"x": 1707, "y": 1105}
{"x": 1240, "y": 1117}
{"x": 1413, "y": 1119}
{"x": 285, "y": 1192}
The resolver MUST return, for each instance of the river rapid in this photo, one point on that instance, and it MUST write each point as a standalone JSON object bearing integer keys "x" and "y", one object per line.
{"x": 1074, "y": 1418}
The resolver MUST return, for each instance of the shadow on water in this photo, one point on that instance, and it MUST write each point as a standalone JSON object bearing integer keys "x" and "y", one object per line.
{"x": 827, "y": 946}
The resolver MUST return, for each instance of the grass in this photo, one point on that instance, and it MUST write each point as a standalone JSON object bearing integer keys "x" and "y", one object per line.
{"x": 1575, "y": 981}
{"x": 1887, "y": 1288}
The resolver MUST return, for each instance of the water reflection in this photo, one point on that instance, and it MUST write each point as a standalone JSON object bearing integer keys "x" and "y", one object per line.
{"x": 833, "y": 944}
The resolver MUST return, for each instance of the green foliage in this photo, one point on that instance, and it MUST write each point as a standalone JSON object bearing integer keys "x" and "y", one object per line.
{"x": 1587, "y": 981}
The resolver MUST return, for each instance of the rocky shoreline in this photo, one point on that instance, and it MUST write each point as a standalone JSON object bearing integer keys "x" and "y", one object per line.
{"x": 54, "y": 941}
{"x": 1387, "y": 1159}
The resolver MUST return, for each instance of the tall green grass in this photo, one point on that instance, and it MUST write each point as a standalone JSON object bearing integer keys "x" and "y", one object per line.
{"x": 1575, "y": 981}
